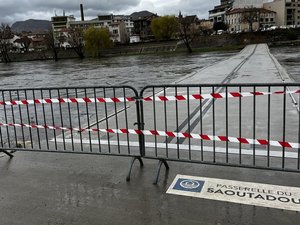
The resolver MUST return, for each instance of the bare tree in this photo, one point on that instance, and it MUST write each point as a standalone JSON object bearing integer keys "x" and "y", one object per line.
{"x": 187, "y": 30}
{"x": 5, "y": 44}
{"x": 75, "y": 39}
{"x": 52, "y": 43}
{"x": 250, "y": 16}
{"x": 220, "y": 26}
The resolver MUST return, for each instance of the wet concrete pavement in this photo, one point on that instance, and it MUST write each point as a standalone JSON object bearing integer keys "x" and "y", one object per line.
{"x": 57, "y": 189}
{"x": 47, "y": 188}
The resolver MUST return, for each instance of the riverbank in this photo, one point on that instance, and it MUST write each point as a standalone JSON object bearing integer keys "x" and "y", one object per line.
{"x": 221, "y": 43}
{"x": 169, "y": 48}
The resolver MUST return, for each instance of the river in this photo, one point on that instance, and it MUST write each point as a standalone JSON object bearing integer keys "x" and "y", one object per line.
{"x": 136, "y": 71}
{"x": 289, "y": 58}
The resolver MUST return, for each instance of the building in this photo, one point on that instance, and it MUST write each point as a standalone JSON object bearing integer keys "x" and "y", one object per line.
{"x": 249, "y": 3}
{"x": 60, "y": 23}
{"x": 249, "y": 19}
{"x": 142, "y": 27}
{"x": 127, "y": 20}
{"x": 287, "y": 12}
{"x": 267, "y": 18}
{"x": 117, "y": 30}
{"x": 38, "y": 41}
{"x": 116, "y": 25}
{"x": 218, "y": 13}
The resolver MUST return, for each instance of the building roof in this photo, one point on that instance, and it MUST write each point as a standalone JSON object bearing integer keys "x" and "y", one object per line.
{"x": 242, "y": 10}
{"x": 191, "y": 19}
{"x": 141, "y": 15}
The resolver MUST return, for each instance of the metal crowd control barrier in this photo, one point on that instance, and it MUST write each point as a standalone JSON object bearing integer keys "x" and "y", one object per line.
{"x": 70, "y": 120}
{"x": 239, "y": 125}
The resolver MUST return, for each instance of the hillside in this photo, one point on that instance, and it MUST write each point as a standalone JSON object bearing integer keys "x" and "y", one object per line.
{"x": 31, "y": 26}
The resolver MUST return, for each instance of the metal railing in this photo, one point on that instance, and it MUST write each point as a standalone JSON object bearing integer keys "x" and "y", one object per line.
{"x": 68, "y": 120}
{"x": 240, "y": 125}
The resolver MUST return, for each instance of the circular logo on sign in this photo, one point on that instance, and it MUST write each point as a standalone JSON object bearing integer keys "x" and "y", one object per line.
{"x": 189, "y": 184}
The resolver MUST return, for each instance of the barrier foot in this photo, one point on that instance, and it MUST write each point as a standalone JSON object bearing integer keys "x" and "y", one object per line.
{"x": 8, "y": 153}
{"x": 161, "y": 161}
{"x": 131, "y": 165}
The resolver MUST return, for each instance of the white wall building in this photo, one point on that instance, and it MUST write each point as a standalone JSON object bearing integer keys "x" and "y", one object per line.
{"x": 117, "y": 30}
{"x": 235, "y": 19}
{"x": 249, "y": 3}
{"x": 287, "y": 11}
{"x": 217, "y": 14}
{"x": 127, "y": 20}
{"x": 60, "y": 23}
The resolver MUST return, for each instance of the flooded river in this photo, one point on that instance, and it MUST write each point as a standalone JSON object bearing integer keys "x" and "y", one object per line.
{"x": 289, "y": 58}
{"x": 136, "y": 71}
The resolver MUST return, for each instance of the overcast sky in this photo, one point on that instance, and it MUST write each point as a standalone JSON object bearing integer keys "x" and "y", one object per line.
{"x": 19, "y": 10}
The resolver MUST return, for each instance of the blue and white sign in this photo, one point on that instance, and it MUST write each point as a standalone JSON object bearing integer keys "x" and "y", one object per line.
{"x": 189, "y": 185}
{"x": 265, "y": 195}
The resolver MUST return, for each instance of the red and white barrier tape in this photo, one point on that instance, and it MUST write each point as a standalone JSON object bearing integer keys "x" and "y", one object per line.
{"x": 146, "y": 99}
{"x": 166, "y": 134}
{"x": 216, "y": 95}
{"x": 65, "y": 100}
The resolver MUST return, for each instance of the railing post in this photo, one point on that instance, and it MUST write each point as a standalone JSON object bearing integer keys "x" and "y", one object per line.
{"x": 140, "y": 124}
